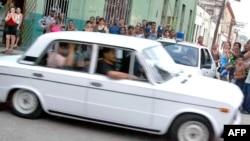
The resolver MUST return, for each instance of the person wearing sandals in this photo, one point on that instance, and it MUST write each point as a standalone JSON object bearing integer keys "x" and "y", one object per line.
{"x": 10, "y": 20}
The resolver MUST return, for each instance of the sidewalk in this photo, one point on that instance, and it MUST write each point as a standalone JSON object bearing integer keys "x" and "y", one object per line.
{"x": 15, "y": 52}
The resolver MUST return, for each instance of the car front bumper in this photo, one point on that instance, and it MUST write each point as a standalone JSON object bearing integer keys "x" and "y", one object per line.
{"x": 236, "y": 121}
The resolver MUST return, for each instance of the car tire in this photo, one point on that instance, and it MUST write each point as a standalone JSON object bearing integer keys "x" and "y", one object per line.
{"x": 25, "y": 103}
{"x": 191, "y": 127}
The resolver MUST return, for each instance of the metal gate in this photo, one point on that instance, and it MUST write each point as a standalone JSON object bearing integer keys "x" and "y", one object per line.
{"x": 61, "y": 7}
{"x": 28, "y": 24}
{"x": 116, "y": 9}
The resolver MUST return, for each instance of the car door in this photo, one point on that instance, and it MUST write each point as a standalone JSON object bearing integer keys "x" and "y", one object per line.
{"x": 64, "y": 91}
{"x": 207, "y": 64}
{"x": 122, "y": 102}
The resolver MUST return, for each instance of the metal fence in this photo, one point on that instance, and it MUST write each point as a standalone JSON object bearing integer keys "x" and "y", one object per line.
{"x": 61, "y": 7}
{"x": 112, "y": 9}
{"x": 117, "y": 9}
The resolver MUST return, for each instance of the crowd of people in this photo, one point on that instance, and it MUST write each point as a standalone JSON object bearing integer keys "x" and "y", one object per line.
{"x": 233, "y": 66}
{"x": 143, "y": 29}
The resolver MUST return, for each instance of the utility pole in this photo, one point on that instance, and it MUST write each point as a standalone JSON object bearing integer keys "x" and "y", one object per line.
{"x": 230, "y": 30}
{"x": 218, "y": 22}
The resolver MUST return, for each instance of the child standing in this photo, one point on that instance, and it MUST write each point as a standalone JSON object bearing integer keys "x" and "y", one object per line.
{"x": 240, "y": 72}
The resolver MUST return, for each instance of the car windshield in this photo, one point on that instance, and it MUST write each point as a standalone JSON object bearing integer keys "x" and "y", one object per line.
{"x": 182, "y": 54}
{"x": 161, "y": 64}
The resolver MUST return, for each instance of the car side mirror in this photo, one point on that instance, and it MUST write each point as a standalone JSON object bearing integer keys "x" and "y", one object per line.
{"x": 206, "y": 66}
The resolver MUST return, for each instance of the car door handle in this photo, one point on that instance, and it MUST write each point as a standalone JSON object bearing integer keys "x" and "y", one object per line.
{"x": 96, "y": 84}
{"x": 37, "y": 75}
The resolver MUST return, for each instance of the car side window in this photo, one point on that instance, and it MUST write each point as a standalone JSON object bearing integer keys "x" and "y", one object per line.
{"x": 119, "y": 60}
{"x": 67, "y": 55}
{"x": 203, "y": 57}
{"x": 208, "y": 57}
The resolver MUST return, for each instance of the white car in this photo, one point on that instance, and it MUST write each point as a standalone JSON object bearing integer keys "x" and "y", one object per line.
{"x": 160, "y": 100}
{"x": 190, "y": 57}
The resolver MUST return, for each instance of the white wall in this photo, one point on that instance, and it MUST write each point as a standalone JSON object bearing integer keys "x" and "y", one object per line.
{"x": 205, "y": 27}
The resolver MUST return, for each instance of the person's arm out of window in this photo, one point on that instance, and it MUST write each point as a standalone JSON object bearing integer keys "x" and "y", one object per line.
{"x": 120, "y": 75}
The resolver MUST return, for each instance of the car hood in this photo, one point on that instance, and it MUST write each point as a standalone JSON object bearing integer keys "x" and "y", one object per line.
{"x": 190, "y": 69}
{"x": 200, "y": 90}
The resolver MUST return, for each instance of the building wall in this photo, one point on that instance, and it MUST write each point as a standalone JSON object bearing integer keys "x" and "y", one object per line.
{"x": 174, "y": 10}
{"x": 190, "y": 6}
{"x": 78, "y": 10}
{"x": 205, "y": 26}
{"x": 151, "y": 10}
{"x": 146, "y": 9}
{"x": 37, "y": 30}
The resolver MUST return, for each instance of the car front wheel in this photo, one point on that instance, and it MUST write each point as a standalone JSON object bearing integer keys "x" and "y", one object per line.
{"x": 25, "y": 103}
{"x": 191, "y": 128}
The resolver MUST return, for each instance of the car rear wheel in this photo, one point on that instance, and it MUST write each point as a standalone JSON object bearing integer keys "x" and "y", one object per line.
{"x": 25, "y": 103}
{"x": 191, "y": 128}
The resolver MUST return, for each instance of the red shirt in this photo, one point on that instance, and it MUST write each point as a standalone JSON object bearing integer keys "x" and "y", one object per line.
{"x": 11, "y": 22}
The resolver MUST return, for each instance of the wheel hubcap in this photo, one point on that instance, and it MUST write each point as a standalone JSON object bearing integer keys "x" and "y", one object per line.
{"x": 25, "y": 102}
{"x": 193, "y": 131}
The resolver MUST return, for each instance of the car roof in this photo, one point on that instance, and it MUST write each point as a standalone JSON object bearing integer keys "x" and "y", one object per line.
{"x": 123, "y": 41}
{"x": 181, "y": 42}
{"x": 101, "y": 38}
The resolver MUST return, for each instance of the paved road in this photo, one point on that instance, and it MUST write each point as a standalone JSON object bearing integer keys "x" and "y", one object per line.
{"x": 50, "y": 128}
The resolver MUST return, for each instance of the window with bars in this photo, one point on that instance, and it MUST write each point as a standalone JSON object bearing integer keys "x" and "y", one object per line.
{"x": 61, "y": 7}
{"x": 117, "y": 9}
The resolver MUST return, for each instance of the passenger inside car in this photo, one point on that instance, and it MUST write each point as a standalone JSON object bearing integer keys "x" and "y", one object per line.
{"x": 85, "y": 51}
{"x": 107, "y": 66}
{"x": 66, "y": 56}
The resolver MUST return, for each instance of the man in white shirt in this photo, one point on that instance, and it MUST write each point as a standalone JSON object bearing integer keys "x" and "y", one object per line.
{"x": 47, "y": 20}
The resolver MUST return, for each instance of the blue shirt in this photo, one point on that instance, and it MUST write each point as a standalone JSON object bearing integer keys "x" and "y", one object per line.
{"x": 115, "y": 29}
{"x": 223, "y": 60}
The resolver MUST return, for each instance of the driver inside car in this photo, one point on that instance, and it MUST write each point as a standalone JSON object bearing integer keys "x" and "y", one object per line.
{"x": 107, "y": 66}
